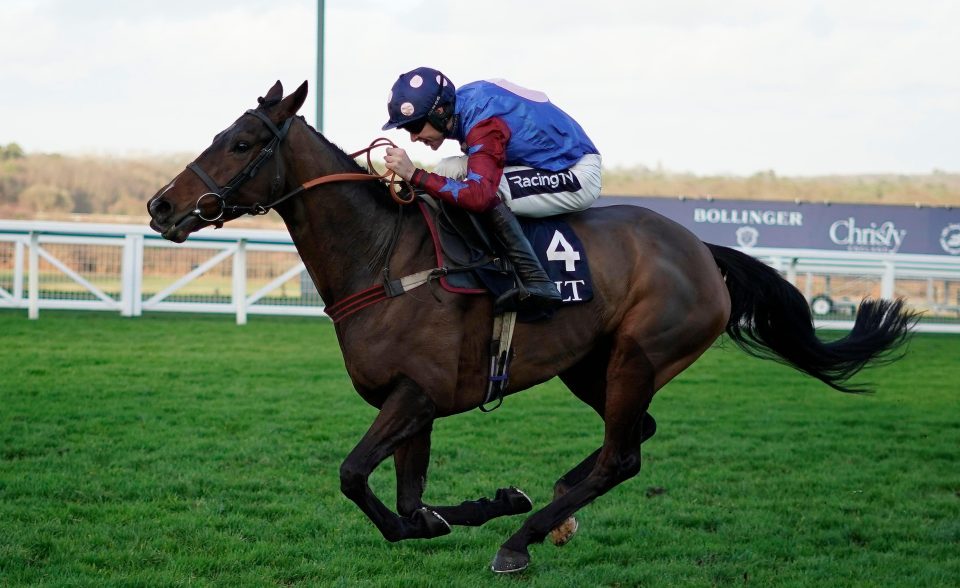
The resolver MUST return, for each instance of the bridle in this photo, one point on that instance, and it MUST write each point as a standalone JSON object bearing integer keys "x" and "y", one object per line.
{"x": 221, "y": 193}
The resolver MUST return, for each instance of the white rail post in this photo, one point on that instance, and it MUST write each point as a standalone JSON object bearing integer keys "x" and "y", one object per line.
{"x": 137, "y": 286}
{"x": 18, "y": 273}
{"x": 887, "y": 281}
{"x": 792, "y": 271}
{"x": 33, "y": 287}
{"x": 240, "y": 281}
{"x": 131, "y": 276}
{"x": 777, "y": 263}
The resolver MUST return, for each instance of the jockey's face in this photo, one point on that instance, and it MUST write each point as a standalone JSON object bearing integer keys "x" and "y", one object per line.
{"x": 428, "y": 135}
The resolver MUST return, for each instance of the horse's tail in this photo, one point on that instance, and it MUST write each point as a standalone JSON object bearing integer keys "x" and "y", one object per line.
{"x": 770, "y": 318}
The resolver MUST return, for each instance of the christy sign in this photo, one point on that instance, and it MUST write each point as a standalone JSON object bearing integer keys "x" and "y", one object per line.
{"x": 836, "y": 227}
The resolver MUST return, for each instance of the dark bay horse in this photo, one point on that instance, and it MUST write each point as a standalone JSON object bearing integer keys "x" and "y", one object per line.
{"x": 661, "y": 298}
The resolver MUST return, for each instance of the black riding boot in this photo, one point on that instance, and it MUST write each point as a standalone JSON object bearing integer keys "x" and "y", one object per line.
{"x": 536, "y": 291}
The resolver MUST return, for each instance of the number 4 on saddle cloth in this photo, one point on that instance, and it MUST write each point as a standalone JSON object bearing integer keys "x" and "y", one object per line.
{"x": 467, "y": 254}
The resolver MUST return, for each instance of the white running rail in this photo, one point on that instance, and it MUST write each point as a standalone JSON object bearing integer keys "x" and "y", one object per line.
{"x": 130, "y": 269}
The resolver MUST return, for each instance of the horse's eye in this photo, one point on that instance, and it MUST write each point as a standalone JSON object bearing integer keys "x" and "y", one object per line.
{"x": 241, "y": 147}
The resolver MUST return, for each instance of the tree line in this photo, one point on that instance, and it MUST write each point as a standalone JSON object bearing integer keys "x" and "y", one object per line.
{"x": 52, "y": 185}
{"x": 41, "y": 185}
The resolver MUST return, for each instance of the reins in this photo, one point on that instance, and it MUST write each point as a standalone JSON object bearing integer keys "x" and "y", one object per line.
{"x": 388, "y": 177}
{"x": 356, "y": 302}
{"x": 221, "y": 193}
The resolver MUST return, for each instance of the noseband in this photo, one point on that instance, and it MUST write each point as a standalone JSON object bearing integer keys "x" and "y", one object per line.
{"x": 220, "y": 194}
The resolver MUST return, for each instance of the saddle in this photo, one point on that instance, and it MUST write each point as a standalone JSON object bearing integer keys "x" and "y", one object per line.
{"x": 462, "y": 247}
{"x": 470, "y": 264}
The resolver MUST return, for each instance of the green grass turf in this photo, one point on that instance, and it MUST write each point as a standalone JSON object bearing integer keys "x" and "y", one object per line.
{"x": 176, "y": 450}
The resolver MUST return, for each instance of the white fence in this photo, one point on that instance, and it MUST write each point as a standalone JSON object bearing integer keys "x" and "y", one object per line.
{"x": 929, "y": 283}
{"x": 129, "y": 269}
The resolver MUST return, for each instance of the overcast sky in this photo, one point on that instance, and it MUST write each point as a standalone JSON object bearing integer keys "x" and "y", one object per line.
{"x": 802, "y": 88}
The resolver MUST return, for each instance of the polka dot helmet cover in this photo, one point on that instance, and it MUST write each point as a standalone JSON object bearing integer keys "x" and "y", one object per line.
{"x": 415, "y": 94}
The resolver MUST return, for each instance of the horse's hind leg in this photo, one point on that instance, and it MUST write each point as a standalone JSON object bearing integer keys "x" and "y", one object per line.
{"x": 563, "y": 533}
{"x": 576, "y": 475}
{"x": 412, "y": 459}
{"x": 587, "y": 380}
{"x": 629, "y": 390}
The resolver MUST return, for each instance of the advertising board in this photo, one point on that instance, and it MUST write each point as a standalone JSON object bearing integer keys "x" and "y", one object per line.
{"x": 834, "y": 227}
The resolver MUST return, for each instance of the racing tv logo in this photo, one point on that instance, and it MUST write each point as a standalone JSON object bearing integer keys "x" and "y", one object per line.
{"x": 528, "y": 182}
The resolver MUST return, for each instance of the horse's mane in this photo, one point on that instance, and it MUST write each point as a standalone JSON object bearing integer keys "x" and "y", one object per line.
{"x": 340, "y": 155}
{"x": 378, "y": 248}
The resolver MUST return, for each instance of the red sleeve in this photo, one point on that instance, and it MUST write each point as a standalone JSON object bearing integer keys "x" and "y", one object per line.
{"x": 486, "y": 148}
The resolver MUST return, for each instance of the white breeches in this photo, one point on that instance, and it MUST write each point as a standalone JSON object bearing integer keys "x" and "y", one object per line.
{"x": 538, "y": 192}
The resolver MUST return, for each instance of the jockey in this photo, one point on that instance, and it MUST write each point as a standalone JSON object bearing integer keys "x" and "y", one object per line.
{"x": 523, "y": 155}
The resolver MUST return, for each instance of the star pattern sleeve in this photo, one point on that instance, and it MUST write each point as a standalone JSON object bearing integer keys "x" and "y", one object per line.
{"x": 486, "y": 147}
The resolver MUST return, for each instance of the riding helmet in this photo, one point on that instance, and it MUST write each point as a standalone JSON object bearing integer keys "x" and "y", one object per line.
{"x": 416, "y": 95}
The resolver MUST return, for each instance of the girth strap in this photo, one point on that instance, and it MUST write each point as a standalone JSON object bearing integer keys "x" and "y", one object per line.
{"x": 374, "y": 294}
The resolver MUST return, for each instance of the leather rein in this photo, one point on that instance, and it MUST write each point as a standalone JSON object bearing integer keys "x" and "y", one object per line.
{"x": 220, "y": 193}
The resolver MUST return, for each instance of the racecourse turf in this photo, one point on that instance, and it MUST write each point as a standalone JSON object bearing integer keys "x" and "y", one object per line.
{"x": 175, "y": 450}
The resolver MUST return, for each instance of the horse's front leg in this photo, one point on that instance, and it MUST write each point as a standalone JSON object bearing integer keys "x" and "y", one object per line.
{"x": 412, "y": 459}
{"x": 406, "y": 412}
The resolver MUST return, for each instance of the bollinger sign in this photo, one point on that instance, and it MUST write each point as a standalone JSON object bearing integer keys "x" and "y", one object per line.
{"x": 834, "y": 227}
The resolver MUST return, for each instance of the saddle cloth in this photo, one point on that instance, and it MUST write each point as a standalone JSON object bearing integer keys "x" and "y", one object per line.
{"x": 474, "y": 268}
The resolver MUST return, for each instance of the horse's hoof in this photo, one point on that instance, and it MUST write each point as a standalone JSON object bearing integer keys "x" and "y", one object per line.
{"x": 432, "y": 523}
{"x": 508, "y": 561}
{"x": 515, "y": 498}
{"x": 561, "y": 535}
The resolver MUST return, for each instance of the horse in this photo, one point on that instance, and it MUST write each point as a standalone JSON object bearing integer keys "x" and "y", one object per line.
{"x": 662, "y": 297}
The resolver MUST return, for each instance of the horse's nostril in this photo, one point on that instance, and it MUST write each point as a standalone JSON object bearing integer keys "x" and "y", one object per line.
{"x": 159, "y": 208}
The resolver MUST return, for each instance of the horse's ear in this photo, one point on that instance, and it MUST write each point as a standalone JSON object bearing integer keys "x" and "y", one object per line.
{"x": 292, "y": 103}
{"x": 273, "y": 95}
